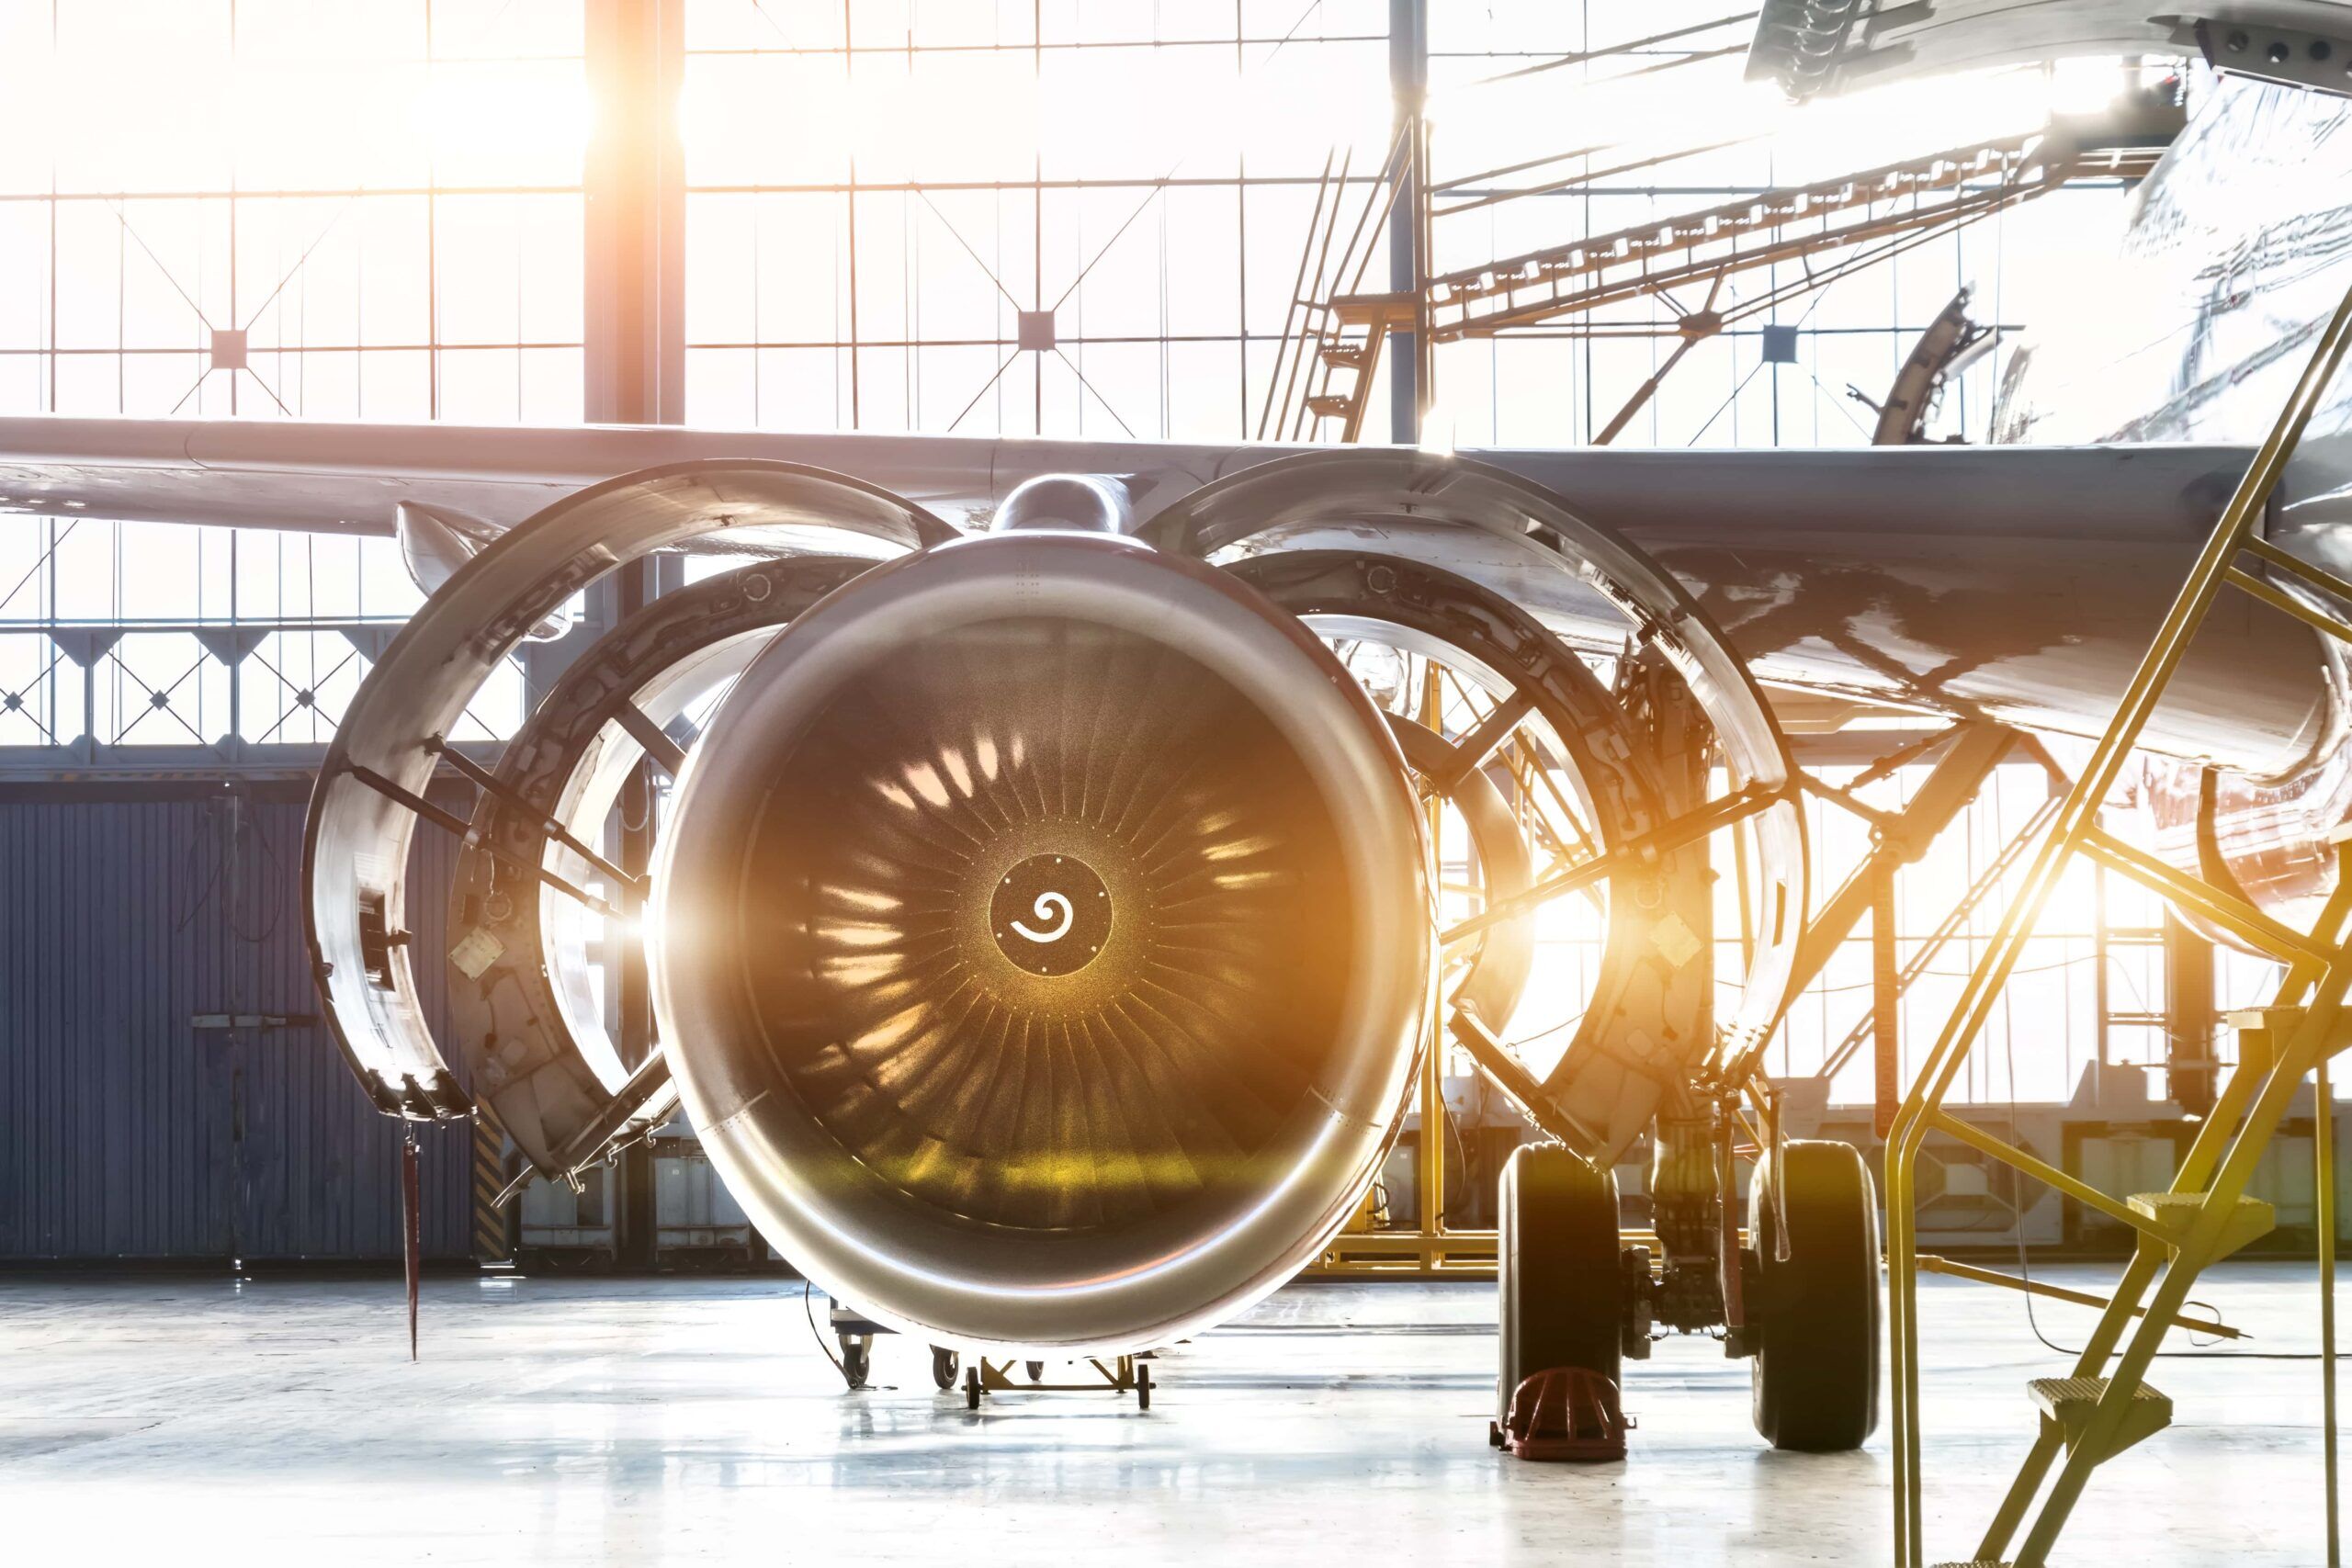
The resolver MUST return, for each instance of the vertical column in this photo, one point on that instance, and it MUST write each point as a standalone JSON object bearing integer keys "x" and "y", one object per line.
{"x": 640, "y": 1223}
{"x": 634, "y": 259}
{"x": 1886, "y": 1005}
{"x": 2323, "y": 1216}
{"x": 491, "y": 1236}
{"x": 2190, "y": 1077}
{"x": 1428, "y": 1163}
{"x": 1408, "y": 80}
{"x": 635, "y": 186}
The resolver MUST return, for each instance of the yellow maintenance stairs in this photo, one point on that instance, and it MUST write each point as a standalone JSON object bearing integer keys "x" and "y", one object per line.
{"x": 2104, "y": 1405}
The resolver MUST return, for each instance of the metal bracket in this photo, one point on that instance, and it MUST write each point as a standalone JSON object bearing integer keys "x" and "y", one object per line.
{"x": 2291, "y": 57}
{"x": 607, "y": 1134}
{"x": 457, "y": 827}
{"x": 1518, "y": 1085}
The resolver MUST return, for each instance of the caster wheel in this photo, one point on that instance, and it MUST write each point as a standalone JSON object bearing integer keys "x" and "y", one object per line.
{"x": 1143, "y": 1388}
{"x": 1816, "y": 1372}
{"x": 943, "y": 1366}
{"x": 972, "y": 1389}
{"x": 857, "y": 1358}
{"x": 1036, "y": 1369}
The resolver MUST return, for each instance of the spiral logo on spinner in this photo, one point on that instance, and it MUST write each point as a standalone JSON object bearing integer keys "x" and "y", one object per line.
{"x": 1050, "y": 914}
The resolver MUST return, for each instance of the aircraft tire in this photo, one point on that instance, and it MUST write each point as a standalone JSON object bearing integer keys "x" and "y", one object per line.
{"x": 1558, "y": 1269}
{"x": 1814, "y": 1315}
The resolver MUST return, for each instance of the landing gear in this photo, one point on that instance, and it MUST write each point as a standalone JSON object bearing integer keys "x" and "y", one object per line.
{"x": 1573, "y": 1304}
{"x": 944, "y": 1365}
{"x": 1559, "y": 1276}
{"x": 1815, "y": 1311}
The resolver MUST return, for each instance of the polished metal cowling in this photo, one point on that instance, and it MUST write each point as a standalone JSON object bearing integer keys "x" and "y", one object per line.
{"x": 1044, "y": 942}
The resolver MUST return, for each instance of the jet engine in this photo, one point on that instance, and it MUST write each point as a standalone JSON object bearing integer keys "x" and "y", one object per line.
{"x": 1044, "y": 942}
{"x": 1047, "y": 924}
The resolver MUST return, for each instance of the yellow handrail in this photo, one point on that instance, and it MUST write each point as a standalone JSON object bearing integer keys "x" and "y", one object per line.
{"x": 2314, "y": 969}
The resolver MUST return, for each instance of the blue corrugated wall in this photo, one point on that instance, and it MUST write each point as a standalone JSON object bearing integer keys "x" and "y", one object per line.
{"x": 125, "y": 1132}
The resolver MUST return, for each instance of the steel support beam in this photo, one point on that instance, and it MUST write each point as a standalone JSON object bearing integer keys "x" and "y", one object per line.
{"x": 1902, "y": 840}
{"x": 640, "y": 1222}
{"x": 2191, "y": 1073}
{"x": 1408, "y": 80}
{"x": 636, "y": 215}
{"x": 635, "y": 374}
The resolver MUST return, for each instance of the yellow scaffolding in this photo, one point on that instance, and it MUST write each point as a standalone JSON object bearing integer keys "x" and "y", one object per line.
{"x": 2099, "y": 1410}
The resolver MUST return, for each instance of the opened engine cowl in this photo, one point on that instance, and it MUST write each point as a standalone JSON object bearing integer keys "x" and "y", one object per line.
{"x": 1044, "y": 943}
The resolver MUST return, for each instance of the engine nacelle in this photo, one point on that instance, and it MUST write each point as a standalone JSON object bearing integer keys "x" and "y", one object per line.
{"x": 1044, "y": 943}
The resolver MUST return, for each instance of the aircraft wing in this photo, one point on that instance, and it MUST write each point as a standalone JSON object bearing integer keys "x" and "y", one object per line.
{"x": 2011, "y": 582}
{"x": 349, "y": 479}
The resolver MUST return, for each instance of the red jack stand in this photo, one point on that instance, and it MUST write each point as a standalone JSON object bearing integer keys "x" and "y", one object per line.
{"x": 1564, "y": 1413}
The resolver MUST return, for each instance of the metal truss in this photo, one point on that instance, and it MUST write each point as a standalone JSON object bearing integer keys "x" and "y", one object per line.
{"x": 159, "y": 734}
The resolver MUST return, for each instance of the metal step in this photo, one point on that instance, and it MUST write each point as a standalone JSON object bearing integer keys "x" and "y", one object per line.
{"x": 1332, "y": 407}
{"x": 2070, "y": 1403}
{"x": 2250, "y": 1220}
{"x": 1345, "y": 357}
{"x": 1979, "y": 1562}
{"x": 1401, "y": 311}
{"x": 2262, "y": 1031}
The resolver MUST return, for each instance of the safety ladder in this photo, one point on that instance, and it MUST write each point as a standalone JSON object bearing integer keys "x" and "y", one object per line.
{"x": 2101, "y": 1409}
{"x": 1348, "y": 351}
{"x": 1334, "y": 331}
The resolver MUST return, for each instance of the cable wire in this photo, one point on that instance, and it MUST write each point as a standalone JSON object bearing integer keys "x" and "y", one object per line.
{"x": 810, "y": 1313}
{"x": 2033, "y": 1321}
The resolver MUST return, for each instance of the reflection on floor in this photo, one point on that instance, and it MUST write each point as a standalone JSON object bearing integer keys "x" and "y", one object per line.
{"x": 638, "y": 1422}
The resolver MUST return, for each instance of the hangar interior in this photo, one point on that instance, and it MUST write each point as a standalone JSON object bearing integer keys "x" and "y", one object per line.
{"x": 175, "y": 686}
{"x": 1313, "y": 222}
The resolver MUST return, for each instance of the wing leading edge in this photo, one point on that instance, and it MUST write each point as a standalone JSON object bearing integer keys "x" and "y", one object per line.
{"x": 2005, "y": 583}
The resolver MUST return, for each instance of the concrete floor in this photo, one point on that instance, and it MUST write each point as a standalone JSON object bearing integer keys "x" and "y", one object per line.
{"x": 639, "y": 1422}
